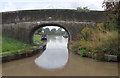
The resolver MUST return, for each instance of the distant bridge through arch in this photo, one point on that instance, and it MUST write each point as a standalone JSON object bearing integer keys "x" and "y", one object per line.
{"x": 21, "y": 25}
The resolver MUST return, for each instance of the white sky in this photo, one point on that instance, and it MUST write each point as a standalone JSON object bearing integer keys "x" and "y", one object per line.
{"x": 13, "y": 5}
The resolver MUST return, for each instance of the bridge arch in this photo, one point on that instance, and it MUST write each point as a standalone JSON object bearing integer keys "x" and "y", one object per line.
{"x": 47, "y": 24}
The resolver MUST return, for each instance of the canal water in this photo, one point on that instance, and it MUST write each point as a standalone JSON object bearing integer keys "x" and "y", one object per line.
{"x": 57, "y": 60}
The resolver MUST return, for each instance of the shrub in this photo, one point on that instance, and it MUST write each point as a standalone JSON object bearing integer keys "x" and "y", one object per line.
{"x": 102, "y": 27}
{"x": 83, "y": 53}
{"x": 75, "y": 46}
{"x": 104, "y": 49}
{"x": 89, "y": 54}
{"x": 86, "y": 33}
{"x": 113, "y": 24}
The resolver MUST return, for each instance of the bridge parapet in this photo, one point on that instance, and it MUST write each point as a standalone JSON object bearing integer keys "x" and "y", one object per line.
{"x": 53, "y": 15}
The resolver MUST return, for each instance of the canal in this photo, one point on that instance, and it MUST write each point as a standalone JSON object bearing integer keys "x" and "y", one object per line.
{"x": 57, "y": 60}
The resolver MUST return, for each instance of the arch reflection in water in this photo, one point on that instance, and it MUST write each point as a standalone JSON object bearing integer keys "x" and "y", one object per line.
{"x": 55, "y": 55}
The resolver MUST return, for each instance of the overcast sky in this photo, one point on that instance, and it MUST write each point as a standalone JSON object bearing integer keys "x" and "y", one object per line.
{"x": 12, "y": 5}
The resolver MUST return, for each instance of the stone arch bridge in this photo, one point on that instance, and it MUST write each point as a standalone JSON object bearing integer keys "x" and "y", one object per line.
{"x": 21, "y": 25}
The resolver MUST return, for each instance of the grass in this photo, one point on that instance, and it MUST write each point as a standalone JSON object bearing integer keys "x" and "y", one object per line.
{"x": 37, "y": 39}
{"x": 11, "y": 46}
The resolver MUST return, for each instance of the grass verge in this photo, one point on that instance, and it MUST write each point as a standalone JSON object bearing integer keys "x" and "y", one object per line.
{"x": 11, "y": 46}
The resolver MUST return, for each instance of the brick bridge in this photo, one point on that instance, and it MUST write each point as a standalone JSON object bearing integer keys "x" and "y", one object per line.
{"x": 21, "y": 25}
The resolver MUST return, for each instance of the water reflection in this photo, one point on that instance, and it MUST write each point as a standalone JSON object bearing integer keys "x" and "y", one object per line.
{"x": 55, "y": 55}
